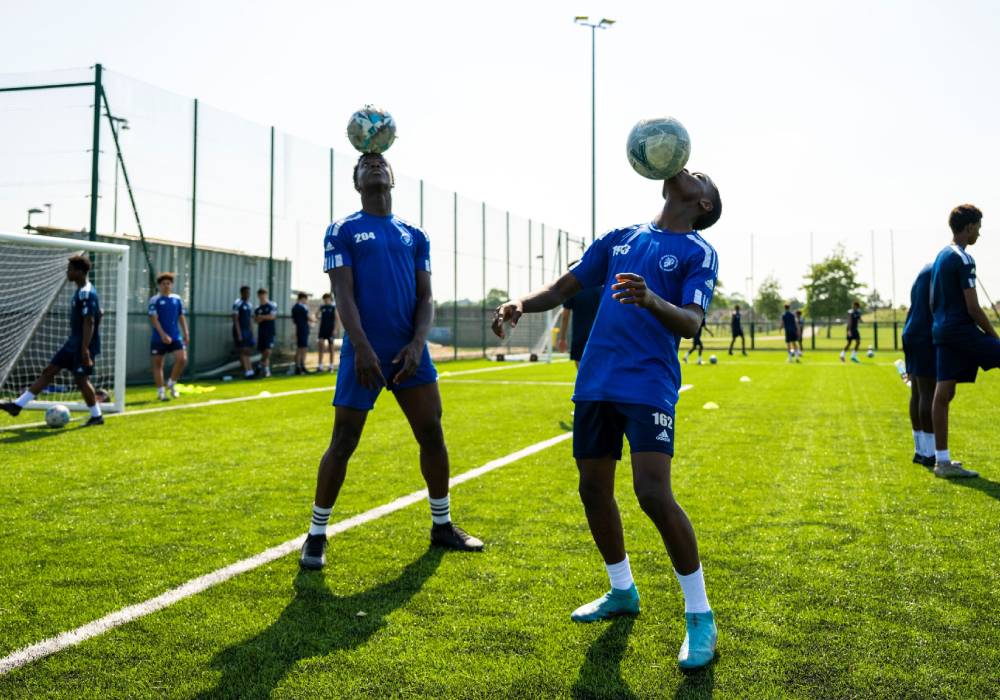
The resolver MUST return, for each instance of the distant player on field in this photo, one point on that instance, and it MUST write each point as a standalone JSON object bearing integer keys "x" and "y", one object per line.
{"x": 658, "y": 280}
{"x": 242, "y": 330}
{"x": 696, "y": 343}
{"x": 800, "y": 324}
{"x": 963, "y": 335}
{"x": 791, "y": 333}
{"x": 81, "y": 348}
{"x": 264, "y": 316}
{"x": 327, "y": 331}
{"x": 300, "y": 317}
{"x": 170, "y": 334}
{"x": 380, "y": 269}
{"x": 921, "y": 360}
{"x": 736, "y": 326}
{"x": 580, "y": 311}
{"x": 853, "y": 333}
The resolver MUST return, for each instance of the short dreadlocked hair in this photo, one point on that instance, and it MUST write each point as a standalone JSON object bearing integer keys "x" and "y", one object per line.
{"x": 354, "y": 175}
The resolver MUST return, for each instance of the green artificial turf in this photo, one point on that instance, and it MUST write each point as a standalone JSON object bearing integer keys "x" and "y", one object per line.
{"x": 836, "y": 567}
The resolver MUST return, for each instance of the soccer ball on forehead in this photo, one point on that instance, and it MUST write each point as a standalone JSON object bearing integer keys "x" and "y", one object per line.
{"x": 371, "y": 130}
{"x": 658, "y": 148}
{"x": 56, "y": 416}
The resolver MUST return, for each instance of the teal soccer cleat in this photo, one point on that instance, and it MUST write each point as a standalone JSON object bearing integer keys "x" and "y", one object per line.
{"x": 698, "y": 648}
{"x": 611, "y": 604}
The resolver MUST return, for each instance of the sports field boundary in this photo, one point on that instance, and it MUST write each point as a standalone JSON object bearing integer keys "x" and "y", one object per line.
{"x": 52, "y": 645}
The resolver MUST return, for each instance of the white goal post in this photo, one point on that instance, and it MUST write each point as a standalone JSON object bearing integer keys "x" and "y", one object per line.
{"x": 34, "y": 316}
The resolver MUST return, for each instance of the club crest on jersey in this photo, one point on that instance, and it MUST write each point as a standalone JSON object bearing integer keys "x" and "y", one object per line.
{"x": 620, "y": 249}
{"x": 406, "y": 238}
{"x": 668, "y": 263}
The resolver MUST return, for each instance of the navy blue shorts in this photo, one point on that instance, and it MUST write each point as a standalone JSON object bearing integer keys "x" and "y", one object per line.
{"x": 68, "y": 357}
{"x": 853, "y": 335}
{"x": 598, "y": 428}
{"x": 302, "y": 337}
{"x": 791, "y": 336}
{"x": 920, "y": 357}
{"x": 961, "y": 361}
{"x": 158, "y": 347}
{"x": 737, "y": 332}
{"x": 576, "y": 351}
{"x": 265, "y": 342}
{"x": 246, "y": 340}
{"x": 350, "y": 394}
{"x": 325, "y": 333}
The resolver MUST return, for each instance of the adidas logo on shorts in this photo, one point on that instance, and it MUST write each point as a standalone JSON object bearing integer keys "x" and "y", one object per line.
{"x": 663, "y": 436}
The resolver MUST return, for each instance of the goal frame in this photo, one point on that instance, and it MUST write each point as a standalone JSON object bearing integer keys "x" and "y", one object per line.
{"x": 121, "y": 310}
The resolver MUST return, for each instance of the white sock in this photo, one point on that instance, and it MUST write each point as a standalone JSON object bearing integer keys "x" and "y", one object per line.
{"x": 693, "y": 586}
{"x": 321, "y": 516}
{"x": 854, "y": 353}
{"x": 620, "y": 574}
{"x": 95, "y": 410}
{"x": 942, "y": 455}
{"x": 170, "y": 383}
{"x": 842, "y": 354}
{"x": 928, "y": 445}
{"x": 160, "y": 391}
{"x": 918, "y": 441}
{"x": 249, "y": 373}
{"x": 24, "y": 398}
{"x": 440, "y": 510}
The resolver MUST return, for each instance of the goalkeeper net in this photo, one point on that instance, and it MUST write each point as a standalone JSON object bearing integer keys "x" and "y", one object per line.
{"x": 35, "y": 317}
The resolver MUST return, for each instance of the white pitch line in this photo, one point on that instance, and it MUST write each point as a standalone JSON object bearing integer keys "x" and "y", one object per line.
{"x": 118, "y": 618}
{"x": 256, "y": 397}
{"x": 501, "y": 382}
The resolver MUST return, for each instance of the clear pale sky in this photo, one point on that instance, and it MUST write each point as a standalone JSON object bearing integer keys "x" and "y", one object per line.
{"x": 834, "y": 118}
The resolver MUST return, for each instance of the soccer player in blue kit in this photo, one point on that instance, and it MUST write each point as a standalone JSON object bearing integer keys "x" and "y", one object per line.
{"x": 380, "y": 269}
{"x": 921, "y": 369}
{"x": 853, "y": 332}
{"x": 242, "y": 330}
{"x": 79, "y": 351}
{"x": 300, "y": 317}
{"x": 658, "y": 279}
{"x": 327, "y": 329}
{"x": 963, "y": 336}
{"x": 265, "y": 315}
{"x": 170, "y": 334}
{"x": 791, "y": 333}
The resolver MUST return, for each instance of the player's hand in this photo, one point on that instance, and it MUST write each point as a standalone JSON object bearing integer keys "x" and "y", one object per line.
{"x": 367, "y": 368}
{"x": 410, "y": 357}
{"x": 562, "y": 345}
{"x": 85, "y": 359}
{"x": 167, "y": 340}
{"x": 631, "y": 289}
{"x": 508, "y": 312}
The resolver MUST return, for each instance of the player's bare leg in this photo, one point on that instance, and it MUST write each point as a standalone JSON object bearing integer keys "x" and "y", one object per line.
{"x": 944, "y": 392}
{"x": 921, "y": 421}
{"x": 597, "y": 493}
{"x": 89, "y": 398}
{"x": 36, "y": 388}
{"x": 422, "y": 407}
{"x": 157, "y": 362}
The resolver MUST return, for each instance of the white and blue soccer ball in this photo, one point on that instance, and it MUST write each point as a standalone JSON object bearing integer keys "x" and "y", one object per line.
{"x": 371, "y": 130}
{"x": 713, "y": 359}
{"x": 56, "y": 416}
{"x": 658, "y": 148}
{"x": 871, "y": 351}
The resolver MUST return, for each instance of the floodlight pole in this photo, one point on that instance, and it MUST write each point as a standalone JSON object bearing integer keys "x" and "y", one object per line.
{"x": 594, "y": 26}
{"x": 95, "y": 151}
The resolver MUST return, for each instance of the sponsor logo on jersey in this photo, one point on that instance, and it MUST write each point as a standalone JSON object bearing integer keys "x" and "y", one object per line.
{"x": 668, "y": 263}
{"x": 329, "y": 246}
{"x": 406, "y": 238}
{"x": 620, "y": 249}
{"x": 663, "y": 436}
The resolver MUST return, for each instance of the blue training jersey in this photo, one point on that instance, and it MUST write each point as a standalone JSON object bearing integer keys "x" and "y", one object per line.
{"x": 168, "y": 310}
{"x": 245, "y": 312}
{"x": 853, "y": 319}
{"x": 266, "y": 328}
{"x": 300, "y": 316}
{"x": 737, "y": 321}
{"x": 954, "y": 271}
{"x": 631, "y": 357}
{"x": 385, "y": 253}
{"x": 791, "y": 325}
{"x": 327, "y": 318}
{"x": 85, "y": 303}
{"x": 919, "y": 318}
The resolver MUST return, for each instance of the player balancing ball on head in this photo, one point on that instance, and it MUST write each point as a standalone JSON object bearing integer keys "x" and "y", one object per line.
{"x": 658, "y": 148}
{"x": 371, "y": 130}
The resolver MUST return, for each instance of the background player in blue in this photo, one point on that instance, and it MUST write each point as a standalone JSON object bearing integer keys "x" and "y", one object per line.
{"x": 81, "y": 348}
{"x": 300, "y": 317}
{"x": 242, "y": 330}
{"x": 791, "y": 327}
{"x": 658, "y": 281}
{"x": 577, "y": 321}
{"x": 736, "y": 326}
{"x": 380, "y": 269}
{"x": 327, "y": 330}
{"x": 170, "y": 334}
{"x": 963, "y": 335}
{"x": 265, "y": 315}
{"x": 696, "y": 343}
{"x": 853, "y": 333}
{"x": 800, "y": 325}
{"x": 921, "y": 360}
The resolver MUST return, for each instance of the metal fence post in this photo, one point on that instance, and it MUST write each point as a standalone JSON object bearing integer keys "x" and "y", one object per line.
{"x": 454, "y": 303}
{"x": 508, "y": 290}
{"x": 895, "y": 335}
{"x": 530, "y": 258}
{"x": 95, "y": 153}
{"x": 192, "y": 307}
{"x": 482, "y": 321}
{"x": 875, "y": 332}
{"x": 421, "y": 203}
{"x": 331, "y": 184}
{"x": 812, "y": 325}
{"x": 270, "y": 224}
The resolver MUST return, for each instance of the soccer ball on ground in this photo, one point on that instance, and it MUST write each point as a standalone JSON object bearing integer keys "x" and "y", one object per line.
{"x": 871, "y": 351}
{"x": 56, "y": 416}
{"x": 658, "y": 148}
{"x": 713, "y": 359}
{"x": 371, "y": 130}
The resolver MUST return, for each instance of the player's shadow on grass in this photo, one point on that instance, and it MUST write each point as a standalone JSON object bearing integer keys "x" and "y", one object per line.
{"x": 13, "y": 437}
{"x": 601, "y": 673}
{"x": 990, "y": 488}
{"x": 316, "y": 623}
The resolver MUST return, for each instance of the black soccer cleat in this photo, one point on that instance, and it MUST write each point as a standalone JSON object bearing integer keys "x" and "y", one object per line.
{"x": 94, "y": 420}
{"x": 313, "y": 555}
{"x": 928, "y": 462}
{"x": 451, "y": 536}
{"x": 11, "y": 408}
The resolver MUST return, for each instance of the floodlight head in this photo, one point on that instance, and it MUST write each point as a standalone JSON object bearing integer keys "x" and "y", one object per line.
{"x": 605, "y": 22}
{"x": 581, "y": 18}
{"x": 34, "y": 210}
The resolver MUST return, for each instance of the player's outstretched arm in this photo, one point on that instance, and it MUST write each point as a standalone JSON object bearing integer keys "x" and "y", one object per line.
{"x": 631, "y": 289}
{"x": 548, "y": 297}
{"x": 366, "y": 364}
{"x": 977, "y": 313}
{"x": 423, "y": 317}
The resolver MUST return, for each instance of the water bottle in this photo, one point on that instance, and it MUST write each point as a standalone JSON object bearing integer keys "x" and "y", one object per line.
{"x": 901, "y": 368}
